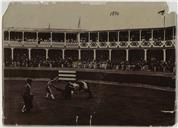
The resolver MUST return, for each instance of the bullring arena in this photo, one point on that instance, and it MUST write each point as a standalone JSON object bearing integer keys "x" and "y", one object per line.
{"x": 130, "y": 71}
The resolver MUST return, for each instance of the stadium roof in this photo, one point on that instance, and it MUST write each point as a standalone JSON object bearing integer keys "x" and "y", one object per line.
{"x": 102, "y": 16}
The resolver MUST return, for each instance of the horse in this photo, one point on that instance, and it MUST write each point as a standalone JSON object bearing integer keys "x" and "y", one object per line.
{"x": 75, "y": 87}
{"x": 80, "y": 85}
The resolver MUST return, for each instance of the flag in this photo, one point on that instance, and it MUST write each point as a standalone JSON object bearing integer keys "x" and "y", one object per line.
{"x": 162, "y": 12}
{"x": 79, "y": 23}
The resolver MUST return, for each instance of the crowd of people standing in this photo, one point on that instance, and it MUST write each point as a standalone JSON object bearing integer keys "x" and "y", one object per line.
{"x": 140, "y": 65}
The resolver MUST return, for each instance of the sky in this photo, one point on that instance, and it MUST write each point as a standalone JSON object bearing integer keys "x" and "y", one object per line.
{"x": 171, "y": 4}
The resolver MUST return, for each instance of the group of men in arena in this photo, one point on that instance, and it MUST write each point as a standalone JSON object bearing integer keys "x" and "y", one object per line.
{"x": 70, "y": 87}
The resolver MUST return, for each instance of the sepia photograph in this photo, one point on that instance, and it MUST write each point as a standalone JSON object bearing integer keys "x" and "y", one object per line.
{"x": 89, "y": 63}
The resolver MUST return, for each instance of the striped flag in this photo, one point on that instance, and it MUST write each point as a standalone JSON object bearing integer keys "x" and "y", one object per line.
{"x": 67, "y": 75}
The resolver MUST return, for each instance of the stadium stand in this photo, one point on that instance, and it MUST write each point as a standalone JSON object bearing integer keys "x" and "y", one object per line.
{"x": 158, "y": 55}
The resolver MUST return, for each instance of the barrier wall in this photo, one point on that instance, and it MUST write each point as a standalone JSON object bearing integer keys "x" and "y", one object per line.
{"x": 129, "y": 78}
{"x": 123, "y": 77}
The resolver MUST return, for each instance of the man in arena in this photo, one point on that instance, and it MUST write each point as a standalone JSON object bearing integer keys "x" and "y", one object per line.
{"x": 68, "y": 91}
{"x": 49, "y": 93}
{"x": 27, "y": 96}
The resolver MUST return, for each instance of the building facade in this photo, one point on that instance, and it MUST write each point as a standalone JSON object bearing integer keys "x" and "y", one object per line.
{"x": 114, "y": 45}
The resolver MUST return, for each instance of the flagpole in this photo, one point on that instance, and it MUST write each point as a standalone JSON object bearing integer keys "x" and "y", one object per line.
{"x": 163, "y": 12}
{"x": 78, "y": 35}
{"x": 164, "y": 20}
{"x": 164, "y": 27}
{"x": 79, "y": 22}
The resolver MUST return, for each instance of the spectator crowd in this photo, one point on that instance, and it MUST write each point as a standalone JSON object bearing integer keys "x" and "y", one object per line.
{"x": 141, "y": 65}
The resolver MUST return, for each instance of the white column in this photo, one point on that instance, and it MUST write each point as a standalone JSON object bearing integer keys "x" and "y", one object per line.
{"x": 79, "y": 54}
{"x": 129, "y": 35}
{"x": 63, "y": 53}
{"x": 98, "y": 37}
{"x": 164, "y": 34}
{"x": 127, "y": 54}
{"x": 64, "y": 38}
{"x": 37, "y": 36}
{"x": 140, "y": 35}
{"x": 78, "y": 37}
{"x": 29, "y": 53}
{"x": 110, "y": 54}
{"x": 164, "y": 55}
{"x": 9, "y": 36}
{"x": 22, "y": 36}
{"x": 145, "y": 54}
{"x": 94, "y": 54}
{"x": 152, "y": 34}
{"x": 51, "y": 36}
{"x": 107, "y": 36}
{"x": 118, "y": 36}
{"x": 46, "y": 53}
{"x": 88, "y": 36}
{"x": 12, "y": 53}
{"x": 173, "y": 34}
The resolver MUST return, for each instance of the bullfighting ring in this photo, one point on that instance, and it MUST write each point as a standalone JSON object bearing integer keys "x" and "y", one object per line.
{"x": 119, "y": 98}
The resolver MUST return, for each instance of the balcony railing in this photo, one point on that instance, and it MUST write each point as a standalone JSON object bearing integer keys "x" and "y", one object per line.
{"x": 158, "y": 43}
{"x": 134, "y": 44}
{"x": 173, "y": 42}
{"x": 57, "y": 44}
{"x": 113, "y": 45}
{"x": 84, "y": 44}
{"x": 31, "y": 44}
{"x": 145, "y": 44}
{"x": 121, "y": 44}
{"x": 93, "y": 45}
{"x": 102, "y": 44}
{"x": 169, "y": 43}
{"x": 44, "y": 44}
{"x": 72, "y": 45}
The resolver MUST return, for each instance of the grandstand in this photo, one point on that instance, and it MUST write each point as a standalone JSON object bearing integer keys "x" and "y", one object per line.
{"x": 141, "y": 48}
{"x": 99, "y": 49}
{"x": 114, "y": 45}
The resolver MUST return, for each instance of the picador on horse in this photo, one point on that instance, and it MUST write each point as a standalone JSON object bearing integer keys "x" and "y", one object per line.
{"x": 73, "y": 87}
